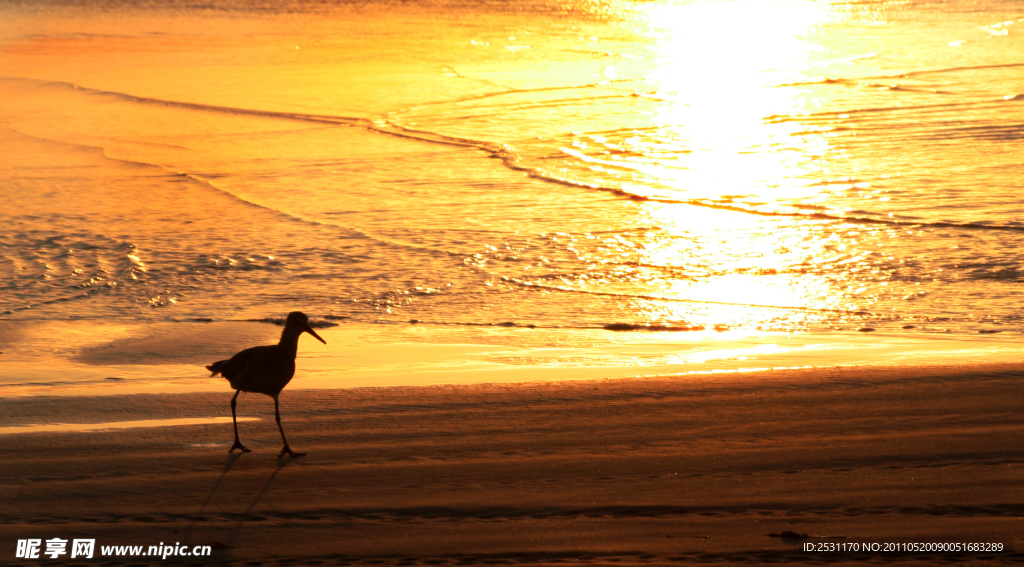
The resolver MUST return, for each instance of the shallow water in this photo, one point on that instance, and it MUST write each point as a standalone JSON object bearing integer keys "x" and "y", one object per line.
{"x": 750, "y": 165}
{"x": 89, "y": 358}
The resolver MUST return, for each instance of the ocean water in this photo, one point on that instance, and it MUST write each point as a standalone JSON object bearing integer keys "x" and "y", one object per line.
{"x": 676, "y": 166}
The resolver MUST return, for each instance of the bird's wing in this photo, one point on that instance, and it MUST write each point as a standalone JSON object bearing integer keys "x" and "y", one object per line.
{"x": 249, "y": 361}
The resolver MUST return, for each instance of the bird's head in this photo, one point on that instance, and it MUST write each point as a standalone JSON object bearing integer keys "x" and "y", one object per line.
{"x": 298, "y": 319}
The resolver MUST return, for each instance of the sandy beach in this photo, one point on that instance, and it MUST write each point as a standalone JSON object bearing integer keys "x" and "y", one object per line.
{"x": 601, "y": 282}
{"x": 655, "y": 471}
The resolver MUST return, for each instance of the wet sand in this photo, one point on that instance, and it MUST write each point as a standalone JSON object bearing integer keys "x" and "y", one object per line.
{"x": 676, "y": 470}
{"x": 90, "y": 358}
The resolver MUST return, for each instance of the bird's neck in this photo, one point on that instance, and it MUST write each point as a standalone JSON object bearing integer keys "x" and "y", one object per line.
{"x": 290, "y": 340}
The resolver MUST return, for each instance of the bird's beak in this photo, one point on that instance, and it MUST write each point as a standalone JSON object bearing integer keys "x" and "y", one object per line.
{"x": 310, "y": 330}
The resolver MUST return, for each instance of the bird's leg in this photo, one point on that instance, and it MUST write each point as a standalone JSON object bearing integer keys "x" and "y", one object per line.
{"x": 287, "y": 450}
{"x": 238, "y": 444}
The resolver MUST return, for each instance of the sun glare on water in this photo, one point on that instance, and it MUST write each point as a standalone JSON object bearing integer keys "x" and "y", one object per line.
{"x": 718, "y": 67}
{"x": 722, "y": 71}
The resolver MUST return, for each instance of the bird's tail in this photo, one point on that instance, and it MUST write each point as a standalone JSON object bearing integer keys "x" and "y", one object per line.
{"x": 215, "y": 368}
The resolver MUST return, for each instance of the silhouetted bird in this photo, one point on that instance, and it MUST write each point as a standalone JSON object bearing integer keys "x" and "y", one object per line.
{"x": 265, "y": 370}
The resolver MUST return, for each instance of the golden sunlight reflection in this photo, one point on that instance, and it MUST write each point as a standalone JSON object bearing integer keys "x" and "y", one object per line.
{"x": 719, "y": 67}
{"x": 732, "y": 270}
{"x": 110, "y": 425}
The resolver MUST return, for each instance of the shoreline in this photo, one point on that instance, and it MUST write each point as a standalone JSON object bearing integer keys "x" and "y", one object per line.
{"x": 82, "y": 413}
{"x": 626, "y": 471}
{"x": 86, "y": 358}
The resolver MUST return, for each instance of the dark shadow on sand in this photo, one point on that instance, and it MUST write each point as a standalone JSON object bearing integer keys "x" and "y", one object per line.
{"x": 213, "y": 491}
{"x": 247, "y": 514}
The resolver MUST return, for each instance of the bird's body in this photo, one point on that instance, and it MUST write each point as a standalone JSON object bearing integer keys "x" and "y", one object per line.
{"x": 261, "y": 370}
{"x": 265, "y": 370}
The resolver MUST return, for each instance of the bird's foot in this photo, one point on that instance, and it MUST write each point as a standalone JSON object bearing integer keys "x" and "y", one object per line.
{"x": 238, "y": 445}
{"x": 287, "y": 451}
